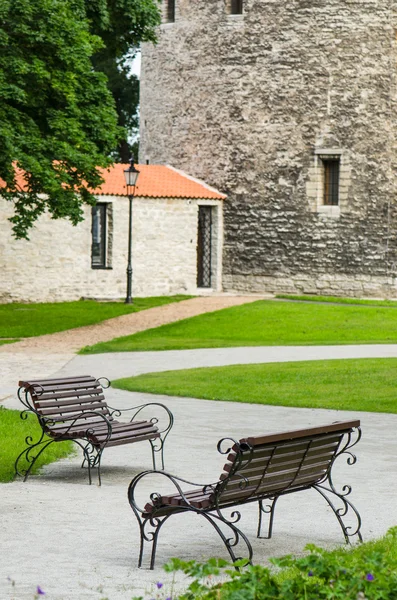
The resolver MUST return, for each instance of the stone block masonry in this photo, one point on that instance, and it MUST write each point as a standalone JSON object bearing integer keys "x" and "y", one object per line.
{"x": 251, "y": 103}
{"x": 55, "y": 265}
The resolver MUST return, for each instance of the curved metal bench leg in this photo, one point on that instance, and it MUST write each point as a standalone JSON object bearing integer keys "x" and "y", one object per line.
{"x": 157, "y": 449}
{"x": 91, "y": 461}
{"x": 230, "y": 543}
{"x": 29, "y": 459}
{"x": 149, "y": 536}
{"x": 267, "y": 510}
{"x": 342, "y": 511}
{"x": 97, "y": 463}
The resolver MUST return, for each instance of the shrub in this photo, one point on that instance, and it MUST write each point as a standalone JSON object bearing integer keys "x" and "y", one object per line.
{"x": 365, "y": 572}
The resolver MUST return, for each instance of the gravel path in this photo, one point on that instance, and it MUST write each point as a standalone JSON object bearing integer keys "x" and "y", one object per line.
{"x": 72, "y": 340}
{"x": 44, "y": 355}
{"x": 80, "y": 541}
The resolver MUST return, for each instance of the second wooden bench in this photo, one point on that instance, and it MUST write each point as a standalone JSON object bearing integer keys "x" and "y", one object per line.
{"x": 258, "y": 469}
{"x": 74, "y": 408}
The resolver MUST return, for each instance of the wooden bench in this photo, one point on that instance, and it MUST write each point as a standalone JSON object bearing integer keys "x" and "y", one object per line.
{"x": 258, "y": 469}
{"x": 74, "y": 408}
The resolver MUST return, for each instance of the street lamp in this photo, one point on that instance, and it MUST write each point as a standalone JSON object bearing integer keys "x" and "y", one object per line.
{"x": 131, "y": 177}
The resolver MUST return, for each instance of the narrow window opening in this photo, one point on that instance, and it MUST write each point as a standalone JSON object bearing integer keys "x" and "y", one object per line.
{"x": 98, "y": 234}
{"x": 236, "y": 7}
{"x": 170, "y": 15}
{"x": 204, "y": 247}
{"x": 331, "y": 169}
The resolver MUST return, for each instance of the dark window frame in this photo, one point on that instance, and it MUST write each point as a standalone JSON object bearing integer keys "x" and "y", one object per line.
{"x": 99, "y": 238}
{"x": 170, "y": 14}
{"x": 331, "y": 180}
{"x": 236, "y": 7}
{"x": 204, "y": 245}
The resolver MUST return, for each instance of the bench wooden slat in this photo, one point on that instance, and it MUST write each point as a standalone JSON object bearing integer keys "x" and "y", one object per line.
{"x": 279, "y": 475}
{"x": 284, "y": 453}
{"x": 39, "y": 390}
{"x": 300, "y": 433}
{"x": 292, "y": 446}
{"x": 260, "y": 464}
{"x": 71, "y": 395}
{"x": 63, "y": 410}
{"x": 102, "y": 426}
{"x": 58, "y": 381}
{"x": 133, "y": 439}
{"x": 120, "y": 435}
{"x": 277, "y": 459}
{"x": 78, "y": 401}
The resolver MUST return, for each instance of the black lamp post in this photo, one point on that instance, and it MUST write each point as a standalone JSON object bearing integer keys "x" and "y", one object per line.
{"x": 131, "y": 177}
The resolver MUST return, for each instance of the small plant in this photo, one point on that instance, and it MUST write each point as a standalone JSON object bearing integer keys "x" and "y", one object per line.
{"x": 366, "y": 572}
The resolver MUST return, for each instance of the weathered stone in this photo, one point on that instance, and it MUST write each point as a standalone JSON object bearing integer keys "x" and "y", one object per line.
{"x": 55, "y": 264}
{"x": 248, "y": 104}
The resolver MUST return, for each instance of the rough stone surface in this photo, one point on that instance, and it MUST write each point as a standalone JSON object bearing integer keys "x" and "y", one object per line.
{"x": 55, "y": 264}
{"x": 248, "y": 102}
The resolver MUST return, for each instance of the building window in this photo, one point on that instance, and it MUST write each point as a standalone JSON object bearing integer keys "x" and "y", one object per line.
{"x": 99, "y": 235}
{"x": 236, "y": 7}
{"x": 331, "y": 169}
{"x": 204, "y": 247}
{"x": 170, "y": 11}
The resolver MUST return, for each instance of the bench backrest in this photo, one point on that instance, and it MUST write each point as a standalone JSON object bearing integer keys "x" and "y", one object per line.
{"x": 276, "y": 464}
{"x": 64, "y": 397}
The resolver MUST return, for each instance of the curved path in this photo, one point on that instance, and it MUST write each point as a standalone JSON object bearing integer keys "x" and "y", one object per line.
{"x": 126, "y": 364}
{"x": 43, "y": 355}
{"x": 80, "y": 541}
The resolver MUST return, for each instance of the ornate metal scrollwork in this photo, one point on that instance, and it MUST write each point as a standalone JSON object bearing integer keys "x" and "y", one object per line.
{"x": 157, "y": 443}
{"x": 328, "y": 490}
{"x": 91, "y": 452}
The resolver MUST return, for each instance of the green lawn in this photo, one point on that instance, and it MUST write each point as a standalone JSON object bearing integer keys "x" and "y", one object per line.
{"x": 355, "y": 384}
{"x": 339, "y": 300}
{"x": 28, "y": 320}
{"x": 8, "y": 341}
{"x": 267, "y": 323}
{"x": 13, "y": 432}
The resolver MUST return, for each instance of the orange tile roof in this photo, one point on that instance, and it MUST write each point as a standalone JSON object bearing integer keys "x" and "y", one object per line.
{"x": 154, "y": 181}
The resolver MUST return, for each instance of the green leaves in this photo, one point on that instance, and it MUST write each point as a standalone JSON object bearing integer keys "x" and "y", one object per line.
{"x": 58, "y": 116}
{"x": 366, "y": 572}
{"x": 58, "y": 119}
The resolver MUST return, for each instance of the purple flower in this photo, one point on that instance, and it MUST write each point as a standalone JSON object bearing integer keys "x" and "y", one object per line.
{"x": 159, "y": 585}
{"x": 369, "y": 577}
{"x": 310, "y": 573}
{"x": 39, "y": 591}
{"x": 170, "y": 598}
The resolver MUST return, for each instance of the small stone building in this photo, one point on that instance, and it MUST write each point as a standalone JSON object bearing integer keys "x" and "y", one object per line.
{"x": 177, "y": 236}
{"x": 289, "y": 107}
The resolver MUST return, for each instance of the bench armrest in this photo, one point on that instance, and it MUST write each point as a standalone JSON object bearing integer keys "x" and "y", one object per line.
{"x": 169, "y": 417}
{"x": 74, "y": 419}
{"x": 156, "y": 497}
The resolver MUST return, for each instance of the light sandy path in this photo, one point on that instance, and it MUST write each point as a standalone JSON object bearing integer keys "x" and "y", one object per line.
{"x": 74, "y": 539}
{"x": 44, "y": 355}
{"x": 72, "y": 340}
{"x": 80, "y": 541}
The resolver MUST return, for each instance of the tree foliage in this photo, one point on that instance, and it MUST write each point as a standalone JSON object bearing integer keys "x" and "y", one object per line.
{"x": 122, "y": 25}
{"x": 58, "y": 120}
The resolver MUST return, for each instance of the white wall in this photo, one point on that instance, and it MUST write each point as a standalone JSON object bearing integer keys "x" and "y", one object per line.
{"x": 55, "y": 264}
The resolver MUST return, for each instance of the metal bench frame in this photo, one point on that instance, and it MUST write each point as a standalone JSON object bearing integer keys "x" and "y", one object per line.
{"x": 257, "y": 471}
{"x": 78, "y": 412}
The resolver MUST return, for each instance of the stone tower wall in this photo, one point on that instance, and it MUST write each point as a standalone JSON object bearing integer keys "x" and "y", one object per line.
{"x": 249, "y": 103}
